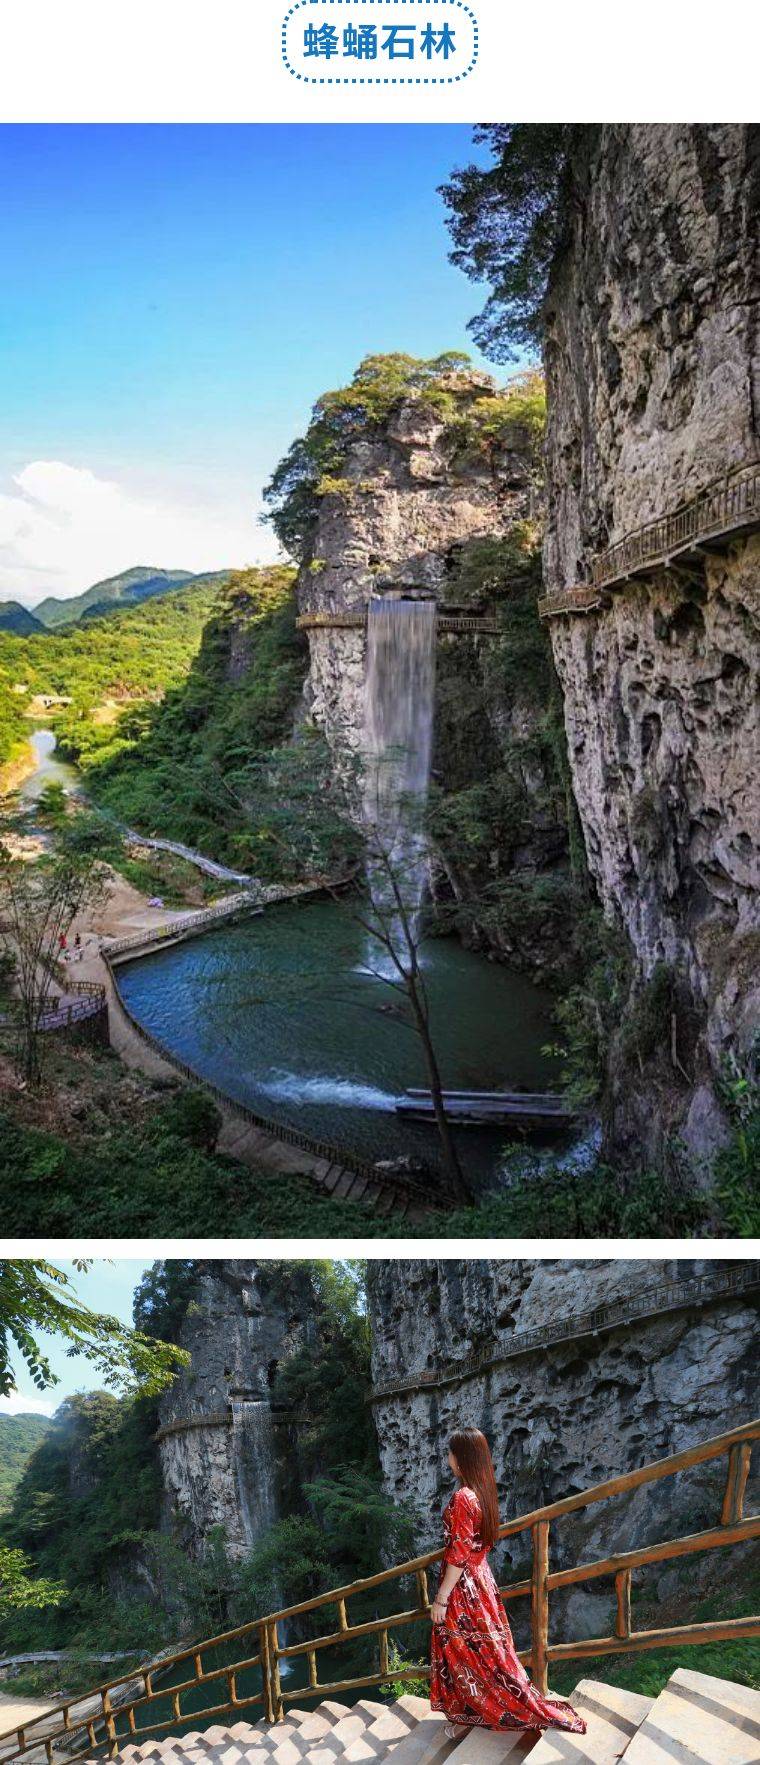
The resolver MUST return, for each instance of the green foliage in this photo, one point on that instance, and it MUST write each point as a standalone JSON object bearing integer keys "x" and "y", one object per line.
{"x": 182, "y": 767}
{"x": 20, "y": 1435}
{"x": 193, "y": 1116}
{"x": 736, "y": 1659}
{"x": 326, "y": 1383}
{"x": 162, "y": 1297}
{"x": 18, "y": 1591}
{"x": 590, "y": 1013}
{"x": 139, "y": 584}
{"x": 500, "y": 746}
{"x": 544, "y": 1201}
{"x": 36, "y": 1296}
{"x": 737, "y": 1166}
{"x": 362, "y": 1526}
{"x": 129, "y": 654}
{"x": 506, "y": 220}
{"x": 89, "y": 1495}
{"x": 288, "y": 1565}
{"x": 14, "y": 730}
{"x": 396, "y": 1686}
{"x": 510, "y": 420}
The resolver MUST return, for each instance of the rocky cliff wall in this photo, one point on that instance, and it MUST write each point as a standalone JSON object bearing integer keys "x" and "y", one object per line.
{"x": 562, "y": 1416}
{"x": 442, "y": 507}
{"x": 407, "y": 498}
{"x": 653, "y": 367}
{"x": 222, "y": 1448}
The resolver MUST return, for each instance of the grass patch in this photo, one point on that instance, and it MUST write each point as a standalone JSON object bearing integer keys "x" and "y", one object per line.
{"x": 648, "y": 1673}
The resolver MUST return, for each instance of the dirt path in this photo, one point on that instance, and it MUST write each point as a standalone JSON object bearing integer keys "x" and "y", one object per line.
{"x": 14, "y": 1711}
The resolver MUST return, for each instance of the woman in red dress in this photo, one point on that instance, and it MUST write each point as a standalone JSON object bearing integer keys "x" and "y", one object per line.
{"x": 477, "y": 1679}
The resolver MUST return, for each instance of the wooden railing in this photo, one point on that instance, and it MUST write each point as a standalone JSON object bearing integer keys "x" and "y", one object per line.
{"x": 729, "y": 505}
{"x": 110, "y": 1713}
{"x": 722, "y": 1281}
{"x": 177, "y": 928}
{"x": 73, "y": 1011}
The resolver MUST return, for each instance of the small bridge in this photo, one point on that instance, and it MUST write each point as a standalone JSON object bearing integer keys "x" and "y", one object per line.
{"x": 727, "y": 509}
{"x": 242, "y": 1671}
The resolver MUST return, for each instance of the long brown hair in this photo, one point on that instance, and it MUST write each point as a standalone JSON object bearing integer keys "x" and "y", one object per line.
{"x": 473, "y": 1456}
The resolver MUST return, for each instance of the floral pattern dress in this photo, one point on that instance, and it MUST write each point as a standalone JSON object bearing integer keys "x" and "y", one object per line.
{"x": 477, "y": 1678}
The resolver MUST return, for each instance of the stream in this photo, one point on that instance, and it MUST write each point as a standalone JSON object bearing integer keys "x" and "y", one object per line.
{"x": 48, "y": 770}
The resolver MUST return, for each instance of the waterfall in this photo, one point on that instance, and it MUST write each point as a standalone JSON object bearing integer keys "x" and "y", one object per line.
{"x": 255, "y": 1462}
{"x": 255, "y": 1465}
{"x": 400, "y": 689}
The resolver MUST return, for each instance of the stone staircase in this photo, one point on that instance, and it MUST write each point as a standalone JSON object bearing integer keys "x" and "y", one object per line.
{"x": 696, "y": 1720}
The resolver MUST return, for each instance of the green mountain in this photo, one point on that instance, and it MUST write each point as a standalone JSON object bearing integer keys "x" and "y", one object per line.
{"x": 127, "y": 589}
{"x": 14, "y": 617}
{"x": 19, "y": 1438}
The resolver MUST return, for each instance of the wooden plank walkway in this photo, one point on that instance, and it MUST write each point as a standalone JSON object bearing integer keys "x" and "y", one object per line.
{"x": 477, "y": 1108}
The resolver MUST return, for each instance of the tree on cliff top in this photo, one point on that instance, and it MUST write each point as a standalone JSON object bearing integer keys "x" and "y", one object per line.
{"x": 477, "y": 415}
{"x": 507, "y": 220}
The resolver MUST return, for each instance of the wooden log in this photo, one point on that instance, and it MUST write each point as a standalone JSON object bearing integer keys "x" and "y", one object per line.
{"x": 539, "y": 1611}
{"x": 658, "y": 1553}
{"x": 623, "y": 1600}
{"x": 652, "y": 1473}
{"x": 370, "y": 1628}
{"x": 340, "y": 1685}
{"x": 274, "y": 1657}
{"x": 641, "y": 1640}
{"x": 266, "y": 1676}
{"x": 739, "y": 1460}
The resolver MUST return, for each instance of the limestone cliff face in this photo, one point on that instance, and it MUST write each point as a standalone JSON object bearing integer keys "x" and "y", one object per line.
{"x": 413, "y": 499}
{"x": 653, "y": 368}
{"x": 565, "y": 1415}
{"x": 407, "y": 499}
{"x": 221, "y": 1446}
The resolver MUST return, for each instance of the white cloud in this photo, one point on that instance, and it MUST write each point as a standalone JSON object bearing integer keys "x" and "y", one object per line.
{"x": 16, "y": 1405}
{"x": 63, "y": 528}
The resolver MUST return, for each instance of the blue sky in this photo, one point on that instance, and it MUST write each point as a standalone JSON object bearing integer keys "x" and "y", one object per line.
{"x": 105, "y": 1287}
{"x": 173, "y": 299}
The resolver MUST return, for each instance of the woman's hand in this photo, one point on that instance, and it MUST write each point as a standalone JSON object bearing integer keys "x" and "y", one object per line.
{"x": 438, "y": 1612}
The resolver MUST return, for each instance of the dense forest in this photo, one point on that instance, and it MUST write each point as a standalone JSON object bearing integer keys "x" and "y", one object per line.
{"x": 87, "y": 1510}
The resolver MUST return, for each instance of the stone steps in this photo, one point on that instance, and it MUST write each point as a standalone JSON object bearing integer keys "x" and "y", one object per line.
{"x": 612, "y": 1718}
{"x": 699, "y": 1720}
{"x": 696, "y": 1720}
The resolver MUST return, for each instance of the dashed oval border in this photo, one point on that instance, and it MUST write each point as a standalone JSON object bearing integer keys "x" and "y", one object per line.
{"x": 380, "y": 79}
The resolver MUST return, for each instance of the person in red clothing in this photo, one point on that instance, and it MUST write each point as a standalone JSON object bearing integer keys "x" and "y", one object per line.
{"x": 477, "y": 1679}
